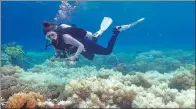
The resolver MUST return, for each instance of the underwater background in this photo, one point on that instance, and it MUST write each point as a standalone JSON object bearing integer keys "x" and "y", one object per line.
{"x": 167, "y": 24}
{"x": 153, "y": 60}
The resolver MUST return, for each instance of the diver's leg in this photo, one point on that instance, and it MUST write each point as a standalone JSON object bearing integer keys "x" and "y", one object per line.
{"x": 100, "y": 50}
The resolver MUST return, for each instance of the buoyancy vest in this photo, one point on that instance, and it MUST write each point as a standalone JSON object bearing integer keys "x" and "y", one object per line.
{"x": 77, "y": 33}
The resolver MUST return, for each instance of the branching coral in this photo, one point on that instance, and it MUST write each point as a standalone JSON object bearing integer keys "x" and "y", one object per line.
{"x": 181, "y": 55}
{"x": 96, "y": 92}
{"x": 106, "y": 73}
{"x": 18, "y": 100}
{"x": 87, "y": 87}
{"x": 182, "y": 79}
{"x": 15, "y": 51}
{"x": 152, "y": 60}
{"x": 109, "y": 88}
{"x": 5, "y": 59}
{"x": 163, "y": 97}
{"x": 122, "y": 67}
{"x": 142, "y": 90}
{"x": 155, "y": 60}
{"x": 10, "y": 70}
{"x": 58, "y": 72}
{"x": 11, "y": 83}
{"x": 17, "y": 54}
{"x": 145, "y": 80}
{"x": 9, "y": 76}
{"x": 186, "y": 99}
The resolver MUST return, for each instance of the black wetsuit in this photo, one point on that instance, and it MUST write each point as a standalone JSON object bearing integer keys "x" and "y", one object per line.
{"x": 90, "y": 46}
{"x": 79, "y": 34}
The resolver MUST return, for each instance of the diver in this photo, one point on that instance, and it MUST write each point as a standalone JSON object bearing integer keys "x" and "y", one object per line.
{"x": 76, "y": 32}
{"x": 73, "y": 40}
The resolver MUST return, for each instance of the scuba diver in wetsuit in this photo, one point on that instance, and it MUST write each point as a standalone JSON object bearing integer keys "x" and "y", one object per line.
{"x": 61, "y": 51}
{"x": 79, "y": 41}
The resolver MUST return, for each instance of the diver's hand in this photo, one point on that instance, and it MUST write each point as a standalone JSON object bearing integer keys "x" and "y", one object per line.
{"x": 69, "y": 62}
{"x": 72, "y": 58}
{"x": 72, "y": 62}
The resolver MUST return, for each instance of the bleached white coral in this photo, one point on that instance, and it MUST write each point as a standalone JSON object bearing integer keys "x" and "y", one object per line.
{"x": 164, "y": 97}
{"x": 105, "y": 73}
{"x": 49, "y": 104}
{"x": 186, "y": 99}
{"x": 10, "y": 70}
{"x": 147, "y": 100}
{"x": 57, "y": 72}
{"x": 64, "y": 103}
{"x": 90, "y": 88}
{"x": 98, "y": 92}
{"x": 42, "y": 78}
{"x": 146, "y": 79}
{"x": 164, "y": 92}
{"x": 172, "y": 104}
{"x": 182, "y": 79}
{"x": 112, "y": 89}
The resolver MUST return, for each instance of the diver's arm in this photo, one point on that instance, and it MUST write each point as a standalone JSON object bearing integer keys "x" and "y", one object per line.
{"x": 70, "y": 40}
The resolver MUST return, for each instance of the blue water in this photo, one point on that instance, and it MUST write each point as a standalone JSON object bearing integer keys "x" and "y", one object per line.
{"x": 166, "y": 24}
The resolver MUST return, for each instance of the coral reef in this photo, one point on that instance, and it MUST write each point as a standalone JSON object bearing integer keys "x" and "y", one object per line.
{"x": 10, "y": 70}
{"x": 111, "y": 89}
{"x": 122, "y": 67}
{"x": 5, "y": 59}
{"x": 58, "y": 72}
{"x": 14, "y": 51}
{"x": 181, "y": 55}
{"x": 164, "y": 61}
{"x": 9, "y": 80}
{"x": 155, "y": 60}
{"x": 155, "y": 80}
{"x": 162, "y": 97}
{"x": 14, "y": 54}
{"x": 18, "y": 100}
{"x": 143, "y": 90}
{"x": 99, "y": 93}
{"x": 183, "y": 79}
{"x": 11, "y": 83}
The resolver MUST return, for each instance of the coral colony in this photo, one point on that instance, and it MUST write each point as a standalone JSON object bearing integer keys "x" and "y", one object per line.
{"x": 57, "y": 85}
